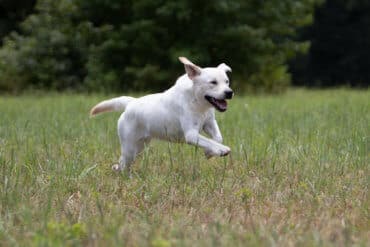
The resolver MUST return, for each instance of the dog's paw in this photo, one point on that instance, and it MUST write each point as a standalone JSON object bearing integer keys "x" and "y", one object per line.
{"x": 221, "y": 151}
{"x": 116, "y": 168}
{"x": 225, "y": 151}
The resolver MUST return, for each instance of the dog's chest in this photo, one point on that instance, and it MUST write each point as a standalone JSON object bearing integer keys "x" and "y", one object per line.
{"x": 174, "y": 128}
{"x": 167, "y": 130}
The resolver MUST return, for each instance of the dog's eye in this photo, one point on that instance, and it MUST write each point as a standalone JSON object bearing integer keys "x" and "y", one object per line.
{"x": 213, "y": 82}
{"x": 227, "y": 82}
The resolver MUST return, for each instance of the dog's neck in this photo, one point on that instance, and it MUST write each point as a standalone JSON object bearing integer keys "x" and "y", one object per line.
{"x": 196, "y": 102}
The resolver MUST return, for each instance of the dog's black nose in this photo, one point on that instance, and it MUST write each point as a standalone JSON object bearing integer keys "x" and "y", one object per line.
{"x": 229, "y": 94}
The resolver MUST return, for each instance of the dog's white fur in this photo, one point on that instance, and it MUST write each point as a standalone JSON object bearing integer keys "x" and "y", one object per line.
{"x": 178, "y": 114}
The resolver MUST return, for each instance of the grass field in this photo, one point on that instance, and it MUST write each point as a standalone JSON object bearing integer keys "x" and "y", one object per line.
{"x": 298, "y": 175}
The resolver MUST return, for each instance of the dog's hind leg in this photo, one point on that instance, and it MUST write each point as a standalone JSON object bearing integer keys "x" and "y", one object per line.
{"x": 129, "y": 151}
{"x": 132, "y": 143}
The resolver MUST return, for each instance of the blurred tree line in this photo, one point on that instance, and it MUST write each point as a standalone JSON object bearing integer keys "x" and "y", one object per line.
{"x": 111, "y": 45}
{"x": 340, "y": 46}
{"x": 13, "y": 12}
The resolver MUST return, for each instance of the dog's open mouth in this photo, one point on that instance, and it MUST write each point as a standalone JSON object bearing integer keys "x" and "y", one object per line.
{"x": 219, "y": 104}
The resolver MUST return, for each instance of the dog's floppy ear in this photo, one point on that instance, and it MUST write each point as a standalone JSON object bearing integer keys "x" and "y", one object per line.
{"x": 224, "y": 67}
{"x": 191, "y": 69}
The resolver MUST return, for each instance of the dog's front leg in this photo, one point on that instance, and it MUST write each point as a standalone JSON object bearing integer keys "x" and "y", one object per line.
{"x": 211, "y": 147}
{"x": 211, "y": 128}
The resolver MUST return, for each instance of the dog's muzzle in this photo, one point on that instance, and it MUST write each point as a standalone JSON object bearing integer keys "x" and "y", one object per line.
{"x": 219, "y": 104}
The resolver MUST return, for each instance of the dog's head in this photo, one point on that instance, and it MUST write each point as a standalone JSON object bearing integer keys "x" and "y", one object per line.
{"x": 210, "y": 84}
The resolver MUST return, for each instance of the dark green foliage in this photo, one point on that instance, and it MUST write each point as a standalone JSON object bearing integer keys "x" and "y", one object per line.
{"x": 51, "y": 51}
{"x": 12, "y": 12}
{"x": 127, "y": 45}
{"x": 340, "y": 46}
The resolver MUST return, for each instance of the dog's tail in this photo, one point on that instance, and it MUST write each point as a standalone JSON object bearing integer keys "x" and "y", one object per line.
{"x": 115, "y": 104}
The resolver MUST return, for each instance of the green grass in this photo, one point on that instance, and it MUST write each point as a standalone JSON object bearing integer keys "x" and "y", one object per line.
{"x": 298, "y": 176}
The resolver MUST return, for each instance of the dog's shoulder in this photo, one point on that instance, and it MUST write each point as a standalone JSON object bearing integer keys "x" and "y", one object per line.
{"x": 180, "y": 91}
{"x": 183, "y": 83}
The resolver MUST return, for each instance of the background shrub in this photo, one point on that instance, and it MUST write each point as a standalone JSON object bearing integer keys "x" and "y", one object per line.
{"x": 111, "y": 45}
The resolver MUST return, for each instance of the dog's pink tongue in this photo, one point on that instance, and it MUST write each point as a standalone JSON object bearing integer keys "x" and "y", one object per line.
{"x": 222, "y": 104}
